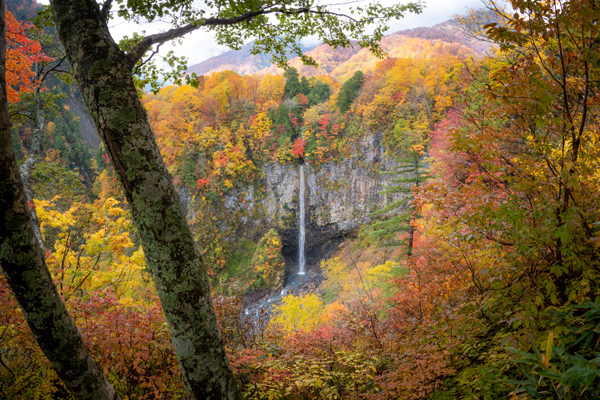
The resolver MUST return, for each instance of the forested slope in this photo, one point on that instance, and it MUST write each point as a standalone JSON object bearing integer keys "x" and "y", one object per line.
{"x": 473, "y": 272}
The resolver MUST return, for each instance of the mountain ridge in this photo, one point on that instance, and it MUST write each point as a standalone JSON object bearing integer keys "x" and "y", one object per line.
{"x": 342, "y": 62}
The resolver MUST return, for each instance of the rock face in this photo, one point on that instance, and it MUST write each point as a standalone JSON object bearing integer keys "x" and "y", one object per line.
{"x": 339, "y": 196}
{"x": 88, "y": 128}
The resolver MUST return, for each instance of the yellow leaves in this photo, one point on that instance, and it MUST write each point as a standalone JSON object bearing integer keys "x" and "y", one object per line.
{"x": 284, "y": 152}
{"x": 261, "y": 127}
{"x": 271, "y": 88}
{"x": 380, "y": 274}
{"x": 418, "y": 149}
{"x": 90, "y": 249}
{"x": 51, "y": 216}
{"x": 267, "y": 262}
{"x": 299, "y": 313}
{"x": 51, "y": 127}
{"x": 336, "y": 272}
{"x": 207, "y": 138}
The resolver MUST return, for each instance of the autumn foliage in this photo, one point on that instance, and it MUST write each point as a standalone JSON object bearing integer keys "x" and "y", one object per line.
{"x": 22, "y": 52}
{"x": 498, "y": 295}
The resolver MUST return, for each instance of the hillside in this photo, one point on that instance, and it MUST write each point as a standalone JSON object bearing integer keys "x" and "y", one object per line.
{"x": 427, "y": 228}
{"x": 341, "y": 63}
{"x": 240, "y": 61}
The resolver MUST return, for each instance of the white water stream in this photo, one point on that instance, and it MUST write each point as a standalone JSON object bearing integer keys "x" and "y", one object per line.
{"x": 301, "y": 233}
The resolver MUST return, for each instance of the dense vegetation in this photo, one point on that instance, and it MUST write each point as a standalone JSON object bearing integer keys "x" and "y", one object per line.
{"x": 490, "y": 292}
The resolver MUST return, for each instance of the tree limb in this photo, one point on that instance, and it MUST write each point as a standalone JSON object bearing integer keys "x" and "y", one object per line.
{"x": 159, "y": 38}
{"x": 106, "y": 9}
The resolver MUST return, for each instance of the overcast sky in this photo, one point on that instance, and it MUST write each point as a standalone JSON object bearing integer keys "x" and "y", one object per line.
{"x": 201, "y": 45}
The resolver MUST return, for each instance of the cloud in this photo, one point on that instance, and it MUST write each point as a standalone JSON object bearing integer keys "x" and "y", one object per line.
{"x": 202, "y": 45}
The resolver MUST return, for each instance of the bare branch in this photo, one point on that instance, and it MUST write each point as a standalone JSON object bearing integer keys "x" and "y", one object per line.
{"x": 54, "y": 68}
{"x": 154, "y": 52}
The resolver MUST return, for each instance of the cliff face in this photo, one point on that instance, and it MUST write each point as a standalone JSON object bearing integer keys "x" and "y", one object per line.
{"x": 339, "y": 196}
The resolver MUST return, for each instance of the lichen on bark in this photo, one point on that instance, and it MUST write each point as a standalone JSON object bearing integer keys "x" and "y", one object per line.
{"x": 23, "y": 264}
{"x": 103, "y": 73}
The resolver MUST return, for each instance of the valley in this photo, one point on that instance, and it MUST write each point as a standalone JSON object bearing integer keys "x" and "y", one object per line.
{"x": 422, "y": 225}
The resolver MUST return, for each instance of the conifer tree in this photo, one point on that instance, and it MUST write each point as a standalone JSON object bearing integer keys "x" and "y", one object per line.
{"x": 349, "y": 91}
{"x": 392, "y": 231}
{"x": 304, "y": 86}
{"x": 319, "y": 93}
{"x": 292, "y": 83}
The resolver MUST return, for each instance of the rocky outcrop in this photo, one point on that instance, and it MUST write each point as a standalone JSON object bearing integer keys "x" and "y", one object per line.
{"x": 339, "y": 196}
{"x": 88, "y": 128}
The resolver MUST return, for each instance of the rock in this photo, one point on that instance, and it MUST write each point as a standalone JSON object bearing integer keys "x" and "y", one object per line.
{"x": 339, "y": 196}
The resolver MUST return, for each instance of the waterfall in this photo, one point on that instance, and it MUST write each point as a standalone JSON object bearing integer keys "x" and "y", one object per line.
{"x": 301, "y": 233}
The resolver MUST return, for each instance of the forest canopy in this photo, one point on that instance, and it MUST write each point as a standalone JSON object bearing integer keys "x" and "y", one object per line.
{"x": 477, "y": 279}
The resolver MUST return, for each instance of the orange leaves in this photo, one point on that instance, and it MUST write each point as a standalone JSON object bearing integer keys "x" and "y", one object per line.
{"x": 202, "y": 183}
{"x": 21, "y": 54}
{"x": 298, "y": 148}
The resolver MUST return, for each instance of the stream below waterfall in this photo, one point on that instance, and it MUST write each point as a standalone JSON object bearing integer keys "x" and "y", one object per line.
{"x": 261, "y": 305}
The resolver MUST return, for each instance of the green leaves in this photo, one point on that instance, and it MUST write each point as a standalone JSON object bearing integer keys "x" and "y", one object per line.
{"x": 276, "y": 27}
{"x": 567, "y": 371}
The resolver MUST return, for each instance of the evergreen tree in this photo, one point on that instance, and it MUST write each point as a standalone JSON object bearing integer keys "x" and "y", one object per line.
{"x": 349, "y": 91}
{"x": 99, "y": 158}
{"x": 319, "y": 93}
{"x": 61, "y": 145}
{"x": 292, "y": 83}
{"x": 304, "y": 86}
{"x": 410, "y": 174}
{"x": 82, "y": 156}
{"x": 282, "y": 117}
{"x": 187, "y": 167}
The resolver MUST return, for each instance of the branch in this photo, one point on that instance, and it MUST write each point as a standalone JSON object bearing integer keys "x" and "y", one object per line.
{"x": 146, "y": 43}
{"x": 13, "y": 114}
{"x": 491, "y": 237}
{"x": 106, "y": 9}
{"x": 138, "y": 51}
{"x": 154, "y": 52}
{"x": 54, "y": 68}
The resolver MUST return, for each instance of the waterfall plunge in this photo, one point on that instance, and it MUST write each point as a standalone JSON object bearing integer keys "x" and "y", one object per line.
{"x": 301, "y": 233}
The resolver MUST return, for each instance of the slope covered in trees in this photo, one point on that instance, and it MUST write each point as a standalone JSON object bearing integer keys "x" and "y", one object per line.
{"x": 241, "y": 61}
{"x": 489, "y": 289}
{"x": 341, "y": 63}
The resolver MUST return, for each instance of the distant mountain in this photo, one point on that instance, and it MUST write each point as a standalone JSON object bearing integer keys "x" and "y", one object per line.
{"x": 240, "y": 61}
{"x": 341, "y": 63}
{"x": 451, "y": 32}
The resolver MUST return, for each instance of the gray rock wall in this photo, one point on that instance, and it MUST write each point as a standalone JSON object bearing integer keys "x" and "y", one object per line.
{"x": 339, "y": 196}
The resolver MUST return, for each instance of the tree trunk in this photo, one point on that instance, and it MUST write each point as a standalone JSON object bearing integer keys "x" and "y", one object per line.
{"x": 104, "y": 75}
{"x": 24, "y": 267}
{"x": 27, "y": 167}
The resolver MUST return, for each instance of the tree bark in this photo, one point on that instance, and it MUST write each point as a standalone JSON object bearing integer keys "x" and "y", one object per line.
{"x": 23, "y": 263}
{"x": 104, "y": 75}
{"x": 27, "y": 167}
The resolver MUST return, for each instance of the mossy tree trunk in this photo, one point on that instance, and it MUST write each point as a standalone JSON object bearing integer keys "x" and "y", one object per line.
{"x": 24, "y": 266}
{"x": 104, "y": 75}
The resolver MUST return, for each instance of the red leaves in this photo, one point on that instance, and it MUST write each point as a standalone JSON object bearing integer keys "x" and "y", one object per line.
{"x": 324, "y": 121}
{"x": 21, "y": 53}
{"x": 202, "y": 183}
{"x": 220, "y": 158}
{"x": 298, "y": 148}
{"x": 398, "y": 96}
